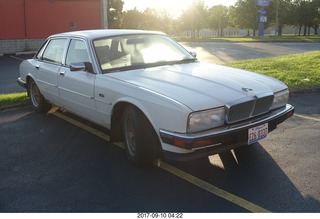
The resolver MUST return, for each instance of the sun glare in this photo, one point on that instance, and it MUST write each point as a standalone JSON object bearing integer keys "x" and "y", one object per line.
{"x": 174, "y": 7}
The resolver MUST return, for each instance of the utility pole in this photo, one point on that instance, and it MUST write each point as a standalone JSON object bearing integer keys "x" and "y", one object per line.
{"x": 219, "y": 19}
{"x": 276, "y": 32}
{"x": 104, "y": 13}
{"x": 192, "y": 20}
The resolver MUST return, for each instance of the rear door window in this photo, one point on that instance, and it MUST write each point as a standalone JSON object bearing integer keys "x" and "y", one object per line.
{"x": 54, "y": 50}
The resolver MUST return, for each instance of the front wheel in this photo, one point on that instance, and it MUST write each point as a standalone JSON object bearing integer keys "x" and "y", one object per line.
{"x": 139, "y": 136}
{"x": 37, "y": 101}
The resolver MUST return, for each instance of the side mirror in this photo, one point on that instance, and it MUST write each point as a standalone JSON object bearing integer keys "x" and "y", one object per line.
{"x": 81, "y": 66}
{"x": 193, "y": 53}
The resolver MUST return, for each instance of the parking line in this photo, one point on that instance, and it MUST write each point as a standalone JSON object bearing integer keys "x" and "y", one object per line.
{"x": 175, "y": 171}
{"x": 81, "y": 125}
{"x": 307, "y": 117}
{"x": 15, "y": 57}
{"x": 213, "y": 189}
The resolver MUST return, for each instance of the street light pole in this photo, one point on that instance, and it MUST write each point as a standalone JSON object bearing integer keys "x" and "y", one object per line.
{"x": 104, "y": 17}
{"x": 277, "y": 18}
{"x": 219, "y": 19}
{"x": 192, "y": 20}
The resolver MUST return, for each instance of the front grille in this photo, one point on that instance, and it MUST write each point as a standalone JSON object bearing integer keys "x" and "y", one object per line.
{"x": 262, "y": 105}
{"x": 248, "y": 107}
{"x": 240, "y": 111}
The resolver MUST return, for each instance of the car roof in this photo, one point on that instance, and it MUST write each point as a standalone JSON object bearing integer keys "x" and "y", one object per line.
{"x": 99, "y": 33}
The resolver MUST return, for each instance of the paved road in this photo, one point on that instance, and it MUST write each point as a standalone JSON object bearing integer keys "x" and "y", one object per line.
{"x": 221, "y": 53}
{"x": 48, "y": 164}
{"x": 9, "y": 72}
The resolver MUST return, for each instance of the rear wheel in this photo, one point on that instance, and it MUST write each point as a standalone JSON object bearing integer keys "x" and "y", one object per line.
{"x": 37, "y": 101}
{"x": 139, "y": 136}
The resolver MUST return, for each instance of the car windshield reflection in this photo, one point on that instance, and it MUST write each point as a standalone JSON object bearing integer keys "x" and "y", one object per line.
{"x": 139, "y": 51}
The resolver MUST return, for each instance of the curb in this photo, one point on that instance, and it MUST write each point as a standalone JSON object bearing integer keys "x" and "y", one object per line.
{"x": 19, "y": 53}
{"x": 304, "y": 91}
{"x": 12, "y": 106}
{"x": 25, "y": 53}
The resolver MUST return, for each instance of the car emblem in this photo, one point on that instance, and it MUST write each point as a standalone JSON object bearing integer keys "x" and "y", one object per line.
{"x": 249, "y": 91}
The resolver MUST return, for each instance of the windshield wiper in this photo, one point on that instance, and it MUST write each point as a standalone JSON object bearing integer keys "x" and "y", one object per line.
{"x": 124, "y": 68}
{"x": 150, "y": 65}
{"x": 174, "y": 62}
{"x": 185, "y": 61}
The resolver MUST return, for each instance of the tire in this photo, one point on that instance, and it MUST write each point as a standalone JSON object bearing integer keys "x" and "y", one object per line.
{"x": 37, "y": 101}
{"x": 139, "y": 137}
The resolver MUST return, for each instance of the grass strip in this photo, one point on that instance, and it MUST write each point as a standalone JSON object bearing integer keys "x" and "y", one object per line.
{"x": 13, "y": 98}
{"x": 298, "y": 71}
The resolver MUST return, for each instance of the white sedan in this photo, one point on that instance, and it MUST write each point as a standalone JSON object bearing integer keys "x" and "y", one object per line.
{"x": 153, "y": 94}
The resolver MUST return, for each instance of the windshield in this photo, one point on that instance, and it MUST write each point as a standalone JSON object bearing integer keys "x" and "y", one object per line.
{"x": 138, "y": 51}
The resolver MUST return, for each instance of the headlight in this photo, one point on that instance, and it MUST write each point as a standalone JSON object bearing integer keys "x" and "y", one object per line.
{"x": 204, "y": 120}
{"x": 280, "y": 99}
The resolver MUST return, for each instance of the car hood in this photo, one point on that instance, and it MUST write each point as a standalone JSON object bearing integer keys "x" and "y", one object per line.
{"x": 200, "y": 85}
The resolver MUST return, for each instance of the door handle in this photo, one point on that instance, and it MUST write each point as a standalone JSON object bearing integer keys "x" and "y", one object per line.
{"x": 62, "y": 73}
{"x": 37, "y": 66}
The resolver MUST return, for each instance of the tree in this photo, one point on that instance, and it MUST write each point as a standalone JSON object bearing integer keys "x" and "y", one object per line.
{"x": 132, "y": 19}
{"x": 219, "y": 18}
{"x": 281, "y": 13}
{"x": 151, "y": 20}
{"x": 195, "y": 17}
{"x": 114, "y": 12}
{"x": 166, "y": 22}
{"x": 315, "y": 23}
{"x": 244, "y": 15}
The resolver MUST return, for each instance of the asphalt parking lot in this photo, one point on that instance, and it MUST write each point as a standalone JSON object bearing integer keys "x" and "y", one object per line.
{"x": 9, "y": 72}
{"x": 49, "y": 164}
{"x": 60, "y": 163}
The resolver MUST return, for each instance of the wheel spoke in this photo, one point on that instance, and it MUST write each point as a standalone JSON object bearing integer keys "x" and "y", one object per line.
{"x": 35, "y": 96}
{"x": 130, "y": 136}
{"x": 37, "y": 101}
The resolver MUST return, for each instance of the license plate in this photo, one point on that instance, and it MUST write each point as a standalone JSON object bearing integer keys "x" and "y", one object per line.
{"x": 257, "y": 133}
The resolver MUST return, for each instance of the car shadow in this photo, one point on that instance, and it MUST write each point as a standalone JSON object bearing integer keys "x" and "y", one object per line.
{"x": 50, "y": 165}
{"x": 251, "y": 173}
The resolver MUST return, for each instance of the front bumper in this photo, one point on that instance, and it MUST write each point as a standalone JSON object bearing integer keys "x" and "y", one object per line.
{"x": 22, "y": 83}
{"x": 214, "y": 142}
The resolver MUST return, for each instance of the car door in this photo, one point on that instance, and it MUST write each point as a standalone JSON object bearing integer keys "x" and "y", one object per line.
{"x": 76, "y": 88}
{"x": 47, "y": 64}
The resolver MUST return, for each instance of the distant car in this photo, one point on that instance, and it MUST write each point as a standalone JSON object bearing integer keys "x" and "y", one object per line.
{"x": 153, "y": 94}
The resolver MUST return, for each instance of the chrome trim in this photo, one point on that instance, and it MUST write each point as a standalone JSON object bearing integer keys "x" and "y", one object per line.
{"x": 22, "y": 83}
{"x": 47, "y": 83}
{"x": 252, "y": 100}
{"x": 274, "y": 115}
{"x": 207, "y": 146}
{"x": 77, "y": 93}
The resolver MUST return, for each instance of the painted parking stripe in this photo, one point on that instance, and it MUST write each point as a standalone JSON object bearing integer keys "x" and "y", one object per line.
{"x": 81, "y": 125}
{"x": 307, "y": 117}
{"x": 175, "y": 171}
{"x": 15, "y": 57}
{"x": 213, "y": 189}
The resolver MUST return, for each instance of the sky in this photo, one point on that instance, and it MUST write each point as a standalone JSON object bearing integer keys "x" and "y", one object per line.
{"x": 172, "y": 6}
